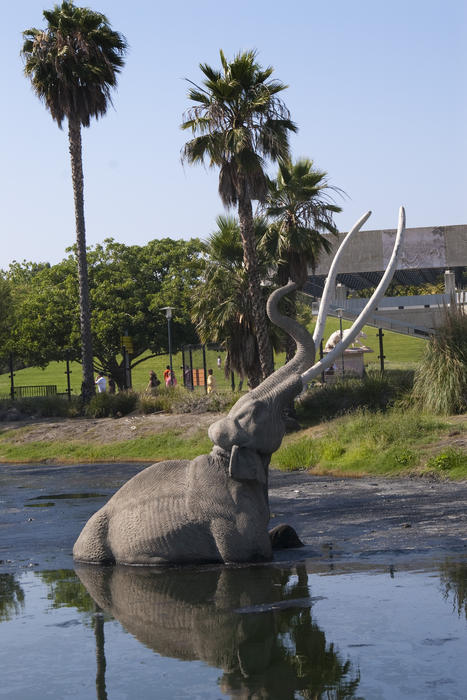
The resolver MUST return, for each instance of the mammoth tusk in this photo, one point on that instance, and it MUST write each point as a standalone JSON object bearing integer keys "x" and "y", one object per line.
{"x": 376, "y": 296}
{"x": 331, "y": 278}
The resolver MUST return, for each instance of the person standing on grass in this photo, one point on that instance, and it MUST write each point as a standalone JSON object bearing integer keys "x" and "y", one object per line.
{"x": 211, "y": 382}
{"x": 169, "y": 377}
{"x": 101, "y": 383}
{"x": 219, "y": 362}
{"x": 153, "y": 383}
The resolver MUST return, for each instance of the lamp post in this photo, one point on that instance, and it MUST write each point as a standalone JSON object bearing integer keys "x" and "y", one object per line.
{"x": 339, "y": 315}
{"x": 168, "y": 314}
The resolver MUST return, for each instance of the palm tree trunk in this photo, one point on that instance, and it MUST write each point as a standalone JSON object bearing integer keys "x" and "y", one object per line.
{"x": 74, "y": 138}
{"x": 245, "y": 215}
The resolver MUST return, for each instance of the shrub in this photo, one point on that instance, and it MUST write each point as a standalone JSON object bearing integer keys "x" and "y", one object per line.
{"x": 42, "y": 406}
{"x": 374, "y": 392}
{"x": 447, "y": 460}
{"x": 111, "y": 405}
{"x": 148, "y": 403}
{"x": 441, "y": 378}
{"x": 192, "y": 402}
{"x": 405, "y": 457}
{"x": 179, "y": 400}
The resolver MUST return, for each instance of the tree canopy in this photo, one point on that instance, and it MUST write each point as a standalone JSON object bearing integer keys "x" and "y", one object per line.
{"x": 6, "y": 315}
{"x": 300, "y": 209}
{"x": 128, "y": 287}
{"x": 73, "y": 64}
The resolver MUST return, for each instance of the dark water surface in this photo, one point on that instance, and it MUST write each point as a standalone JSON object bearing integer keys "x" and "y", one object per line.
{"x": 247, "y": 632}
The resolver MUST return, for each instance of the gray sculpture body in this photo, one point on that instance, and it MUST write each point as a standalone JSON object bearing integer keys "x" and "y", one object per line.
{"x": 215, "y": 508}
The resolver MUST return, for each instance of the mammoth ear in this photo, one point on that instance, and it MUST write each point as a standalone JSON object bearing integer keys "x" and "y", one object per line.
{"x": 246, "y": 464}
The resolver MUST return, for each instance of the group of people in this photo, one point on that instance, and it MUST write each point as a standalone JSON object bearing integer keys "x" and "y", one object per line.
{"x": 170, "y": 379}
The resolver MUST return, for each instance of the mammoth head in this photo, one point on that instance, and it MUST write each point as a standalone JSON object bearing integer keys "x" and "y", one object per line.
{"x": 254, "y": 429}
{"x": 255, "y": 425}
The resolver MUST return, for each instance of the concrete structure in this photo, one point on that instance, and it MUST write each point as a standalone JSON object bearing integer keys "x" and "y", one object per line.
{"x": 428, "y": 253}
{"x": 441, "y": 247}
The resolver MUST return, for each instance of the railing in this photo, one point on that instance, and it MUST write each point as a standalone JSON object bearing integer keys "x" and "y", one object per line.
{"x": 21, "y": 392}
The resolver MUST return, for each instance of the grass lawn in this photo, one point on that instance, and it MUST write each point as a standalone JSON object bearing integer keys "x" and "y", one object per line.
{"x": 171, "y": 444}
{"x": 397, "y": 442}
{"x": 400, "y": 351}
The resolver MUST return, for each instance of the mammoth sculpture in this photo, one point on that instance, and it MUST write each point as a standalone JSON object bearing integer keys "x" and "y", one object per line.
{"x": 215, "y": 508}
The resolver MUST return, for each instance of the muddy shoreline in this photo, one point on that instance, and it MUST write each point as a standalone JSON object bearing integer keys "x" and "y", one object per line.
{"x": 367, "y": 522}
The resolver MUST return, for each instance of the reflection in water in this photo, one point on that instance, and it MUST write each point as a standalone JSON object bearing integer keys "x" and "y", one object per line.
{"x": 65, "y": 590}
{"x": 454, "y": 580}
{"x": 254, "y": 623}
{"x": 11, "y": 597}
{"x": 100, "y": 654}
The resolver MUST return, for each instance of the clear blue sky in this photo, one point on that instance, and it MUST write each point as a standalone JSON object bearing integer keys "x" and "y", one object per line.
{"x": 378, "y": 90}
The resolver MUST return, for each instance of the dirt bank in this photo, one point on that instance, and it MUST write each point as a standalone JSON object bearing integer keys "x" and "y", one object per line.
{"x": 105, "y": 430}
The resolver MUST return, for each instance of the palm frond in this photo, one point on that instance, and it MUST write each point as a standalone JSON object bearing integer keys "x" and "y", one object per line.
{"x": 74, "y": 62}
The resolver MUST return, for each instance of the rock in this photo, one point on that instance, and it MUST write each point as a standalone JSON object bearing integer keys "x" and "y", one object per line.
{"x": 283, "y": 536}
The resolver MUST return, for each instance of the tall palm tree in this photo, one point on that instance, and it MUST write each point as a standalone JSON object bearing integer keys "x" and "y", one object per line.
{"x": 72, "y": 65}
{"x": 301, "y": 210}
{"x": 222, "y": 308}
{"x": 239, "y": 123}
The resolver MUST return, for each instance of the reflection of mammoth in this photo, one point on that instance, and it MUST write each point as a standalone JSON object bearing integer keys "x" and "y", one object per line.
{"x": 244, "y": 621}
{"x": 191, "y": 614}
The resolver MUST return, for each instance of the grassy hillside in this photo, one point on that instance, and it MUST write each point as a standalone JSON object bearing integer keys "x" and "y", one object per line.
{"x": 393, "y": 443}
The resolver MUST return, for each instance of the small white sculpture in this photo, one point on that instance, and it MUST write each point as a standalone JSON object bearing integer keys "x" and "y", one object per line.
{"x": 335, "y": 338}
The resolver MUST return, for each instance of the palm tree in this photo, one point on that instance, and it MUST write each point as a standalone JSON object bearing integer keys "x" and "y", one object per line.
{"x": 222, "y": 308}
{"x": 72, "y": 65}
{"x": 300, "y": 207}
{"x": 239, "y": 123}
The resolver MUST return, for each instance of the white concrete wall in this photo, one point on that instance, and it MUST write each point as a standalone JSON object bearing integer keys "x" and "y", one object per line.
{"x": 441, "y": 246}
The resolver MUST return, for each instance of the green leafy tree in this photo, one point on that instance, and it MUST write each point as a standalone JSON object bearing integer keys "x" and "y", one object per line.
{"x": 301, "y": 210}
{"x": 6, "y": 315}
{"x": 46, "y": 304}
{"x": 222, "y": 309}
{"x": 239, "y": 123}
{"x": 73, "y": 65}
{"x": 128, "y": 287}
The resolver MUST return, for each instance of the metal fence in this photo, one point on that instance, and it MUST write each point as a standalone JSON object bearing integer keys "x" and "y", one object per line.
{"x": 198, "y": 360}
{"x": 21, "y": 392}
